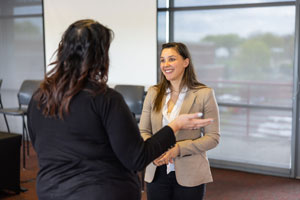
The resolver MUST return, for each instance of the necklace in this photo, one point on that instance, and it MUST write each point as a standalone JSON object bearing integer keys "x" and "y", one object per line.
{"x": 175, "y": 91}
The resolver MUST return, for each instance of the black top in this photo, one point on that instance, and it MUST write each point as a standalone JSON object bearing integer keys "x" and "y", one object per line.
{"x": 94, "y": 152}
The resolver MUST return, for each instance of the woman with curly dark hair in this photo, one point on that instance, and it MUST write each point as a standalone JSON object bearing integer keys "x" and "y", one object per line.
{"x": 87, "y": 141}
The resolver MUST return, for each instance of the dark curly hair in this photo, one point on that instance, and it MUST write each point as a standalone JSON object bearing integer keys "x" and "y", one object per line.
{"x": 82, "y": 57}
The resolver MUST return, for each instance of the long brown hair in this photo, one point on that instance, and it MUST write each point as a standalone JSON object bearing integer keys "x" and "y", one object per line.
{"x": 82, "y": 57}
{"x": 189, "y": 78}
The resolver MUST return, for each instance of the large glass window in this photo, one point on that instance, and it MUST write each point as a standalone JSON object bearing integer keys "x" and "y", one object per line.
{"x": 246, "y": 55}
{"x": 21, "y": 51}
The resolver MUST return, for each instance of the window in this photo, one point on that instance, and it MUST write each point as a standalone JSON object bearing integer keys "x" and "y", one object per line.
{"x": 246, "y": 54}
{"x": 21, "y": 50}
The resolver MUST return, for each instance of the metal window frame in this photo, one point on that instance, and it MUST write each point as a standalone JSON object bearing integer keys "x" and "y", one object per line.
{"x": 294, "y": 172}
{"x": 227, "y": 6}
{"x": 44, "y": 38}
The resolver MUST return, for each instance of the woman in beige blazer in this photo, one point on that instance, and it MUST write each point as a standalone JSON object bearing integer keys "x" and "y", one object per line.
{"x": 182, "y": 171}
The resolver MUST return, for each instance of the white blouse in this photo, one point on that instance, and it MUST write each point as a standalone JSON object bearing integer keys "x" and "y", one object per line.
{"x": 168, "y": 117}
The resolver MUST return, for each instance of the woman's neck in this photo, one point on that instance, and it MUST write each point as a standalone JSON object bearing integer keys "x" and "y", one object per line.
{"x": 175, "y": 86}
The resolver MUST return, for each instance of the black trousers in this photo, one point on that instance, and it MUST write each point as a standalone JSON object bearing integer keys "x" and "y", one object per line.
{"x": 165, "y": 187}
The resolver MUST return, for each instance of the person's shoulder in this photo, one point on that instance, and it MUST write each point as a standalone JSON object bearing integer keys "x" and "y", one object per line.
{"x": 109, "y": 94}
{"x": 203, "y": 90}
{"x": 34, "y": 100}
{"x": 107, "y": 99}
{"x": 152, "y": 89}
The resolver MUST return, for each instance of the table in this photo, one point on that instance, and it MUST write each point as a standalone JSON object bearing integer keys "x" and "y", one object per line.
{"x": 10, "y": 144}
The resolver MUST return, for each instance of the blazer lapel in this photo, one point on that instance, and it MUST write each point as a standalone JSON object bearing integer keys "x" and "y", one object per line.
{"x": 187, "y": 102}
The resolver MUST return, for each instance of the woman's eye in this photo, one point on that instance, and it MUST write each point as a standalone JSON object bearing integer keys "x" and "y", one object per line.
{"x": 162, "y": 61}
{"x": 172, "y": 59}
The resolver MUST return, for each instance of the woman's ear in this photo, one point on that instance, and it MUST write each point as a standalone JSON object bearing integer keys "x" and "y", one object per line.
{"x": 186, "y": 62}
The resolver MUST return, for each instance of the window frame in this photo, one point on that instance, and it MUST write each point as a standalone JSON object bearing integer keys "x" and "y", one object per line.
{"x": 294, "y": 171}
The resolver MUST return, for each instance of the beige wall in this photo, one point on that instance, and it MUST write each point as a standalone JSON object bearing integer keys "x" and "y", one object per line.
{"x": 133, "y": 50}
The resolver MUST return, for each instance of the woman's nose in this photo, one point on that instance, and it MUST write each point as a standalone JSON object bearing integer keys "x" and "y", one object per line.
{"x": 166, "y": 63}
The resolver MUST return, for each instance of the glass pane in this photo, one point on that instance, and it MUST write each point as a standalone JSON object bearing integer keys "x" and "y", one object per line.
{"x": 161, "y": 34}
{"x": 25, "y": 10}
{"x": 186, "y": 3}
{"x": 21, "y": 54}
{"x": 246, "y": 55}
{"x": 256, "y": 136}
{"x": 162, "y": 3}
{"x": 161, "y": 27}
{"x": 9, "y": 7}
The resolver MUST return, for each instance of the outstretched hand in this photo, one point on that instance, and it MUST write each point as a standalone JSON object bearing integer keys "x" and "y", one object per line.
{"x": 183, "y": 121}
{"x": 167, "y": 157}
{"x": 189, "y": 121}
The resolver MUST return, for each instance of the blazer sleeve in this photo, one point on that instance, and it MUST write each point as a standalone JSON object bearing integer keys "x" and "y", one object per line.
{"x": 124, "y": 135}
{"x": 211, "y": 133}
{"x": 145, "y": 120}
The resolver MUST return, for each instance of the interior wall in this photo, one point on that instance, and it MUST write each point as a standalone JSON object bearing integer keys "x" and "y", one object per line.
{"x": 133, "y": 50}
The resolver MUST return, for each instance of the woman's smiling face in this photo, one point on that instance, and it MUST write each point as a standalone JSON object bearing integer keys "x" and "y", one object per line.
{"x": 172, "y": 64}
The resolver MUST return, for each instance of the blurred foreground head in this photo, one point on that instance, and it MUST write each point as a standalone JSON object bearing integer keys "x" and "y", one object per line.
{"x": 82, "y": 57}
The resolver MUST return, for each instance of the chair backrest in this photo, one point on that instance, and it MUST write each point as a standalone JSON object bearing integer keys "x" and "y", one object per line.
{"x": 133, "y": 96}
{"x": 26, "y": 91}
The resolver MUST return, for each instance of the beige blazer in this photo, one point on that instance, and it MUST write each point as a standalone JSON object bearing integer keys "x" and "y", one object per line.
{"x": 191, "y": 166}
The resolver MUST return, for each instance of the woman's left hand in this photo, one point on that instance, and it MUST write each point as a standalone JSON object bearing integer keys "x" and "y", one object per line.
{"x": 169, "y": 156}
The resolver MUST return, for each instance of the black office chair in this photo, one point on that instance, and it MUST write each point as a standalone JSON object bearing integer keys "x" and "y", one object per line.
{"x": 25, "y": 93}
{"x": 1, "y": 106}
{"x": 134, "y": 97}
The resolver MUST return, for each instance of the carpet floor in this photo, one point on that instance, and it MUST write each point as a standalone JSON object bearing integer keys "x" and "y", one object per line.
{"x": 227, "y": 185}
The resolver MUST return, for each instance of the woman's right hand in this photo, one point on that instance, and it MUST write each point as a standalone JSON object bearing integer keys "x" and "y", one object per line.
{"x": 189, "y": 122}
